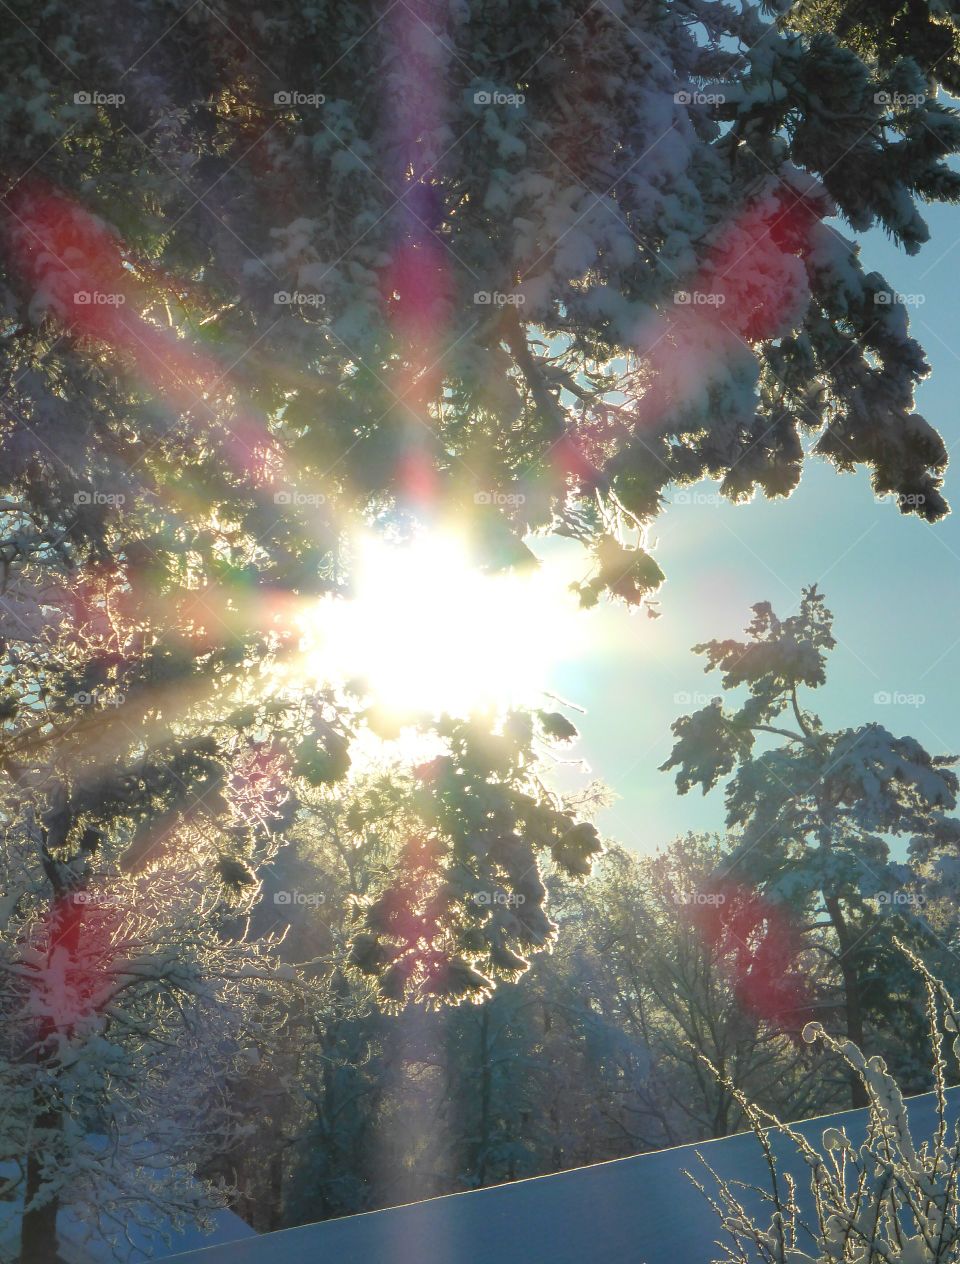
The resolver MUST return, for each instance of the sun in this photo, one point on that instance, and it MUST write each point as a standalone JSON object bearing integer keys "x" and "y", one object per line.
{"x": 428, "y": 632}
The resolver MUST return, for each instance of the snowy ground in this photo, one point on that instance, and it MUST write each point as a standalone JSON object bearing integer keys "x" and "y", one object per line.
{"x": 641, "y": 1210}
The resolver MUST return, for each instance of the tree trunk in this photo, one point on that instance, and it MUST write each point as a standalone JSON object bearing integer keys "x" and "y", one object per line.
{"x": 852, "y": 1001}
{"x": 38, "y": 1232}
{"x": 38, "y": 1227}
{"x": 721, "y": 1116}
{"x": 485, "y": 1094}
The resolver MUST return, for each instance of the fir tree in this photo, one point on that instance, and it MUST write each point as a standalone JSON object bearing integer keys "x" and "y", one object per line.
{"x": 271, "y": 276}
{"x": 813, "y": 809}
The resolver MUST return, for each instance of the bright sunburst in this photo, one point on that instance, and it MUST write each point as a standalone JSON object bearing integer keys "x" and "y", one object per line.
{"x": 427, "y": 631}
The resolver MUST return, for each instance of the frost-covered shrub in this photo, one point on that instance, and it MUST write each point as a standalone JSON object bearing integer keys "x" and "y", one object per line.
{"x": 888, "y": 1200}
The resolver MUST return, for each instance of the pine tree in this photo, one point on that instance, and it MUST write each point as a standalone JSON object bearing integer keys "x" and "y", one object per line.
{"x": 481, "y": 285}
{"x": 247, "y": 308}
{"x": 269, "y": 277}
{"x": 888, "y": 31}
{"x": 814, "y": 810}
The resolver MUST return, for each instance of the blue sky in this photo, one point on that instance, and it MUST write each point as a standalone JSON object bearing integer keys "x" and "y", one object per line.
{"x": 892, "y": 582}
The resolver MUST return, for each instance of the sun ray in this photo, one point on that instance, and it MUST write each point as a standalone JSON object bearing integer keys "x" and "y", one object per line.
{"x": 428, "y": 632}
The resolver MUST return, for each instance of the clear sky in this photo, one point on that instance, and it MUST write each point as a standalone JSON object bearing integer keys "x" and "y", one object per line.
{"x": 893, "y": 583}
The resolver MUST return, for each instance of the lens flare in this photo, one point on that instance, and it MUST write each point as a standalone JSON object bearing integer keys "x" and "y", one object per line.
{"x": 427, "y": 632}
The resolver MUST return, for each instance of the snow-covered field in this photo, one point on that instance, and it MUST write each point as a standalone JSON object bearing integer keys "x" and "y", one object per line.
{"x": 641, "y": 1210}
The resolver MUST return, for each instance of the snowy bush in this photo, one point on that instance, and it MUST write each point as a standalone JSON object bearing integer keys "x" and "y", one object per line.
{"x": 890, "y": 1200}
